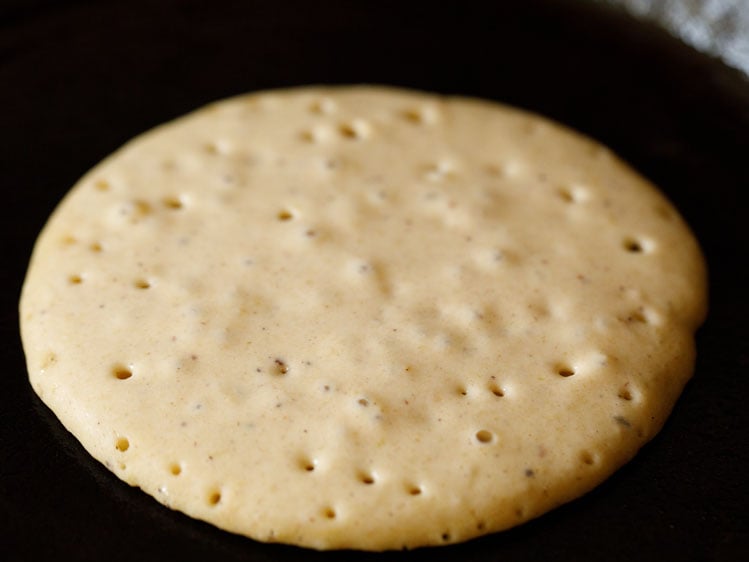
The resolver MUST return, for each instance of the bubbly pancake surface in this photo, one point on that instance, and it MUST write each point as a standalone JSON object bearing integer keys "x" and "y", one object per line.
{"x": 362, "y": 317}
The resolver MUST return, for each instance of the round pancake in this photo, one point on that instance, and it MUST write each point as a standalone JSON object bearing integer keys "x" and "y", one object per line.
{"x": 362, "y": 317}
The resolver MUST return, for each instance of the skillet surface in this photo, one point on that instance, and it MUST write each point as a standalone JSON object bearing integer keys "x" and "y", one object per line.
{"x": 79, "y": 79}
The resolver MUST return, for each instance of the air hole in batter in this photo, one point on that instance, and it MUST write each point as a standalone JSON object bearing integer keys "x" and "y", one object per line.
{"x": 142, "y": 284}
{"x": 347, "y": 130}
{"x": 565, "y": 371}
{"x": 175, "y": 469}
{"x": 285, "y": 215}
{"x": 496, "y": 390}
{"x": 306, "y": 464}
{"x": 280, "y": 367}
{"x": 587, "y": 458}
{"x": 121, "y": 372}
{"x": 484, "y": 436}
{"x": 75, "y": 279}
{"x": 494, "y": 170}
{"x": 141, "y": 208}
{"x": 367, "y": 478}
{"x": 49, "y": 360}
{"x": 214, "y": 498}
{"x": 439, "y": 171}
{"x": 566, "y": 195}
{"x": 307, "y": 136}
{"x": 414, "y": 490}
{"x": 355, "y": 130}
{"x": 664, "y": 212}
{"x": 329, "y": 513}
{"x": 572, "y": 194}
{"x": 625, "y": 394}
{"x": 322, "y": 106}
{"x": 638, "y": 316}
{"x": 633, "y": 246}
{"x": 414, "y": 115}
{"x": 102, "y": 185}
{"x": 174, "y": 203}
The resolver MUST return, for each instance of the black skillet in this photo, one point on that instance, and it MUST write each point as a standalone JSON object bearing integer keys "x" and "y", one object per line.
{"x": 78, "y": 79}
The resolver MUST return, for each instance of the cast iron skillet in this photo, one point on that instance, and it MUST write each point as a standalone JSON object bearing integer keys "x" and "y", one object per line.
{"x": 79, "y": 79}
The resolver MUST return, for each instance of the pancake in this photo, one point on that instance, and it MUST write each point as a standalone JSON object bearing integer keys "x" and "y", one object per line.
{"x": 362, "y": 317}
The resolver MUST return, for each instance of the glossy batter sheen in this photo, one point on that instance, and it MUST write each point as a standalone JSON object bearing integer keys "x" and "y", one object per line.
{"x": 362, "y": 317}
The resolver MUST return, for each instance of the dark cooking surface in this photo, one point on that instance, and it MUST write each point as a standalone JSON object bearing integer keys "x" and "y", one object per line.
{"x": 77, "y": 79}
